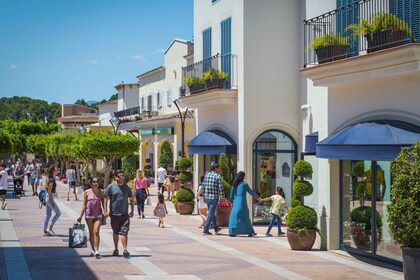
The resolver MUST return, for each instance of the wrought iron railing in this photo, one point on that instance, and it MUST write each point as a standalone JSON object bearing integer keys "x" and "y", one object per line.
{"x": 138, "y": 113}
{"x": 344, "y": 32}
{"x": 128, "y": 112}
{"x": 224, "y": 64}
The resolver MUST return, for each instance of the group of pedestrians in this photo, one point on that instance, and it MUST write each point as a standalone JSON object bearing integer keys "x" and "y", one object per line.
{"x": 167, "y": 180}
{"x": 239, "y": 220}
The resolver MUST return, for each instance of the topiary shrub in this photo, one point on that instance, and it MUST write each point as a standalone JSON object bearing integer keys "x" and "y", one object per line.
{"x": 184, "y": 163}
{"x": 361, "y": 215}
{"x": 184, "y": 195}
{"x": 294, "y": 202}
{"x": 302, "y": 218}
{"x": 302, "y": 188}
{"x": 404, "y": 210}
{"x": 302, "y": 168}
{"x": 185, "y": 176}
{"x": 360, "y": 190}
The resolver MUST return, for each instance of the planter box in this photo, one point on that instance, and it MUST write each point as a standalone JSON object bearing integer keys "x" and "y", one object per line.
{"x": 215, "y": 83}
{"x": 195, "y": 88}
{"x": 385, "y": 39}
{"x": 411, "y": 262}
{"x": 222, "y": 216}
{"x": 185, "y": 208}
{"x": 331, "y": 53}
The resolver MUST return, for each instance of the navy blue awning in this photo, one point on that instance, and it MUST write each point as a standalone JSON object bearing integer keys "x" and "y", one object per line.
{"x": 129, "y": 126}
{"x": 371, "y": 140}
{"x": 310, "y": 142}
{"x": 212, "y": 142}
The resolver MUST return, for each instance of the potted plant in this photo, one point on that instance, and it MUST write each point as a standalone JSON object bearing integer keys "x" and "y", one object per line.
{"x": 382, "y": 32}
{"x": 215, "y": 78}
{"x": 361, "y": 227}
{"x": 224, "y": 207}
{"x": 174, "y": 202}
{"x": 330, "y": 47}
{"x": 301, "y": 220}
{"x": 185, "y": 176}
{"x": 404, "y": 210}
{"x": 196, "y": 84}
{"x": 185, "y": 201}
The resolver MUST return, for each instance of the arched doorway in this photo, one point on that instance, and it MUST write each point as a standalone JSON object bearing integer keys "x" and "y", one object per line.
{"x": 274, "y": 155}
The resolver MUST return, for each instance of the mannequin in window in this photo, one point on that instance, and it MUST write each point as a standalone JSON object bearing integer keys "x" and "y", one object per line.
{"x": 380, "y": 181}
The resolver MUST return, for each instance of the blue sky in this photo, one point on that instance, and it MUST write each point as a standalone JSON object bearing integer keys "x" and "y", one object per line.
{"x": 64, "y": 50}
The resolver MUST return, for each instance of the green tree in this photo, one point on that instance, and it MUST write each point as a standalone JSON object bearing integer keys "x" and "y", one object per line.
{"x": 223, "y": 163}
{"x": 5, "y": 144}
{"x": 129, "y": 166}
{"x": 81, "y": 102}
{"x": 166, "y": 155}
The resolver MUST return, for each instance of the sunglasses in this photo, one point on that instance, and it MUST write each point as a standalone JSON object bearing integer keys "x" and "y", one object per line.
{"x": 94, "y": 182}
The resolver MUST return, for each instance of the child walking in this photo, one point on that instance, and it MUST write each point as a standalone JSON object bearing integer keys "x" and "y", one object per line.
{"x": 160, "y": 209}
{"x": 278, "y": 201}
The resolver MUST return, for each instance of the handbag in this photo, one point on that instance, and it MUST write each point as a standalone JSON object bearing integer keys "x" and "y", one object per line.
{"x": 148, "y": 201}
{"x": 143, "y": 194}
{"x": 103, "y": 220}
{"x": 77, "y": 236}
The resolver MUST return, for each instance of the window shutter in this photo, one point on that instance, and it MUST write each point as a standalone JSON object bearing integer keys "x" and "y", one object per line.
{"x": 226, "y": 27}
{"x": 206, "y": 49}
{"x": 169, "y": 97}
{"x": 407, "y": 10}
{"x": 348, "y": 14}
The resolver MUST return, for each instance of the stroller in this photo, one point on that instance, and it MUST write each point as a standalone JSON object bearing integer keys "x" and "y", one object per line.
{"x": 18, "y": 185}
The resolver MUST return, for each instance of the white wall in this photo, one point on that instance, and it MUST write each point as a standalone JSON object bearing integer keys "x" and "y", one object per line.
{"x": 128, "y": 96}
{"x": 106, "y": 112}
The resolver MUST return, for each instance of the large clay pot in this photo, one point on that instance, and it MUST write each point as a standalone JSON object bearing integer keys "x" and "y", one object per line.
{"x": 185, "y": 208}
{"x": 303, "y": 240}
{"x": 222, "y": 216}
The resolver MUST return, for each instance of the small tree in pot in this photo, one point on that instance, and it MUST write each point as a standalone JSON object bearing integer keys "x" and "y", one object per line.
{"x": 301, "y": 220}
{"x": 404, "y": 210}
{"x": 185, "y": 201}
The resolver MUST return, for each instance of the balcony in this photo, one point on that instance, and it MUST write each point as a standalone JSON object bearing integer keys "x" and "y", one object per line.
{"x": 210, "y": 81}
{"x": 360, "y": 28}
{"x": 137, "y": 113}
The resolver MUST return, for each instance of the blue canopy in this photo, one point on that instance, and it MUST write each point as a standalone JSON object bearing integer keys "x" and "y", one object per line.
{"x": 212, "y": 142}
{"x": 371, "y": 140}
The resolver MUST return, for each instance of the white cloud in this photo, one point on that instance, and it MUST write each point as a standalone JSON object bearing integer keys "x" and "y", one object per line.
{"x": 93, "y": 61}
{"x": 161, "y": 50}
{"x": 139, "y": 57}
{"x": 13, "y": 66}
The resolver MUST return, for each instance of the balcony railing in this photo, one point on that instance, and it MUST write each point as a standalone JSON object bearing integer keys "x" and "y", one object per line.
{"x": 137, "y": 113}
{"x": 342, "y": 33}
{"x": 193, "y": 76}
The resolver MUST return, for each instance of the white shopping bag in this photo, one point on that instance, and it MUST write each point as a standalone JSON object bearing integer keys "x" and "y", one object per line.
{"x": 79, "y": 190}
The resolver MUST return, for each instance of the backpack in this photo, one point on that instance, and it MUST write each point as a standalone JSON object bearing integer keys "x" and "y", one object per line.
{"x": 43, "y": 197}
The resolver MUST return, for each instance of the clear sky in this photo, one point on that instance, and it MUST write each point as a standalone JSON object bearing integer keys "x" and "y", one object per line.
{"x": 64, "y": 50}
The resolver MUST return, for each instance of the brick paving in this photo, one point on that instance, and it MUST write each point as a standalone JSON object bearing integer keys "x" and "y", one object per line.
{"x": 178, "y": 250}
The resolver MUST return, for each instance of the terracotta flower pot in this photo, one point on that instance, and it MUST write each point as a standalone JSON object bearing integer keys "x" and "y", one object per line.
{"x": 222, "y": 216}
{"x": 185, "y": 208}
{"x": 301, "y": 241}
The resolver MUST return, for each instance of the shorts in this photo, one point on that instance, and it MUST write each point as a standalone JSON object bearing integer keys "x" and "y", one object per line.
{"x": 34, "y": 180}
{"x": 120, "y": 224}
{"x": 3, "y": 192}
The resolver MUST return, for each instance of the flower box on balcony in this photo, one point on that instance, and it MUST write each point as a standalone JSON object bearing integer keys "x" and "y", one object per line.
{"x": 385, "y": 39}
{"x": 330, "y": 47}
{"x": 195, "y": 84}
{"x": 215, "y": 78}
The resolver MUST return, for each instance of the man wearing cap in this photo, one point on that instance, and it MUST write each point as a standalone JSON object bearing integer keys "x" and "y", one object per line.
{"x": 212, "y": 189}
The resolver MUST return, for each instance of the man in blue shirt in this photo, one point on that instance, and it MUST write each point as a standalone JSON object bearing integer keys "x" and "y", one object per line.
{"x": 212, "y": 190}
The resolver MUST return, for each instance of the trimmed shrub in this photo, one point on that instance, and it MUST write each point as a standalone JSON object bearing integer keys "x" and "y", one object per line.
{"x": 302, "y": 188}
{"x": 184, "y": 163}
{"x": 302, "y": 168}
{"x": 294, "y": 202}
{"x": 184, "y": 195}
{"x": 302, "y": 218}
{"x": 185, "y": 176}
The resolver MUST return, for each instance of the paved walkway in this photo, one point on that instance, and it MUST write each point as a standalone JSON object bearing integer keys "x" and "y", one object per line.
{"x": 178, "y": 251}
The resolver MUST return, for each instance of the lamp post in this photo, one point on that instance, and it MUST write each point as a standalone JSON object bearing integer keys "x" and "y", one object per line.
{"x": 115, "y": 122}
{"x": 181, "y": 105}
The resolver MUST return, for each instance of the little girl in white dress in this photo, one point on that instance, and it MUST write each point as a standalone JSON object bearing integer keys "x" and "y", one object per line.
{"x": 160, "y": 209}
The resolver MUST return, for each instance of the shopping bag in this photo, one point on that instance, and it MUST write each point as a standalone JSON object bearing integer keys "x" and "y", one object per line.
{"x": 79, "y": 190}
{"x": 148, "y": 201}
{"x": 77, "y": 236}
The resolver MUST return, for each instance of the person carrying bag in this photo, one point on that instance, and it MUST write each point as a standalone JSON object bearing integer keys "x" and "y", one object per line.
{"x": 77, "y": 236}
{"x": 141, "y": 191}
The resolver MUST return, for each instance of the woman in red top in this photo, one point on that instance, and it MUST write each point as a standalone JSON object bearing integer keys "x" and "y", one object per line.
{"x": 141, "y": 191}
{"x": 93, "y": 201}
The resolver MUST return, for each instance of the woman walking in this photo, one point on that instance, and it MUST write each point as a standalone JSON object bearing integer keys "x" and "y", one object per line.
{"x": 93, "y": 201}
{"x": 239, "y": 222}
{"x": 141, "y": 190}
{"x": 71, "y": 181}
{"x": 51, "y": 205}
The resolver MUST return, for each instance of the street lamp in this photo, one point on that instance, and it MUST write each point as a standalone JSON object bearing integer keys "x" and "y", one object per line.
{"x": 115, "y": 122}
{"x": 181, "y": 105}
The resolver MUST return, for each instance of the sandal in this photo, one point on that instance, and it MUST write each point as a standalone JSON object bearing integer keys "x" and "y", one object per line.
{"x": 115, "y": 253}
{"x": 126, "y": 254}
{"x": 98, "y": 256}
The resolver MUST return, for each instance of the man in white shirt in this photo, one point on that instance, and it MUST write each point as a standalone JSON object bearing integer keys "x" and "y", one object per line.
{"x": 161, "y": 176}
{"x": 3, "y": 186}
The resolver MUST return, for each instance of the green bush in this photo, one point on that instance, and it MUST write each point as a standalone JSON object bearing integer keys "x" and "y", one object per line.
{"x": 361, "y": 215}
{"x": 358, "y": 169}
{"x": 184, "y": 195}
{"x": 294, "y": 202}
{"x": 226, "y": 188}
{"x": 166, "y": 155}
{"x": 404, "y": 210}
{"x": 302, "y": 168}
{"x": 302, "y": 188}
{"x": 185, "y": 176}
{"x": 129, "y": 166}
{"x": 360, "y": 190}
{"x": 184, "y": 163}
{"x": 302, "y": 218}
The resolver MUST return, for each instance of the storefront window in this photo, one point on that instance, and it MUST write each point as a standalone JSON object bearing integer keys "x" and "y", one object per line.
{"x": 364, "y": 193}
{"x": 274, "y": 157}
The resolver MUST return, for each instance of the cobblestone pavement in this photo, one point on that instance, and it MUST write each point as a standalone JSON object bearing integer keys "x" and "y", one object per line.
{"x": 178, "y": 251}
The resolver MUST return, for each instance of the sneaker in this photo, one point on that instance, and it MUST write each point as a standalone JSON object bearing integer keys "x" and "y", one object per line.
{"x": 4, "y": 206}
{"x": 97, "y": 255}
{"x": 50, "y": 232}
{"x": 207, "y": 233}
{"x": 126, "y": 254}
{"x": 92, "y": 253}
{"x": 281, "y": 233}
{"x": 268, "y": 235}
{"x": 216, "y": 230}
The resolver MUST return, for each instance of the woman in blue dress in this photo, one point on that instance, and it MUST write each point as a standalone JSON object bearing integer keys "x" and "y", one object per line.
{"x": 239, "y": 222}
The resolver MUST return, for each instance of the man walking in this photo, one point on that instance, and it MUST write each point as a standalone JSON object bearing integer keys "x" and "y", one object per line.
{"x": 3, "y": 185}
{"x": 161, "y": 175}
{"x": 118, "y": 194}
{"x": 212, "y": 189}
{"x": 172, "y": 175}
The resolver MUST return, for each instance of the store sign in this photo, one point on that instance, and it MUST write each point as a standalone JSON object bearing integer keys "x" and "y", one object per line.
{"x": 158, "y": 131}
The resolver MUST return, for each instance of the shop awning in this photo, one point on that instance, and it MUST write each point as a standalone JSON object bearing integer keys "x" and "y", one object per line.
{"x": 129, "y": 126}
{"x": 371, "y": 140}
{"x": 212, "y": 142}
